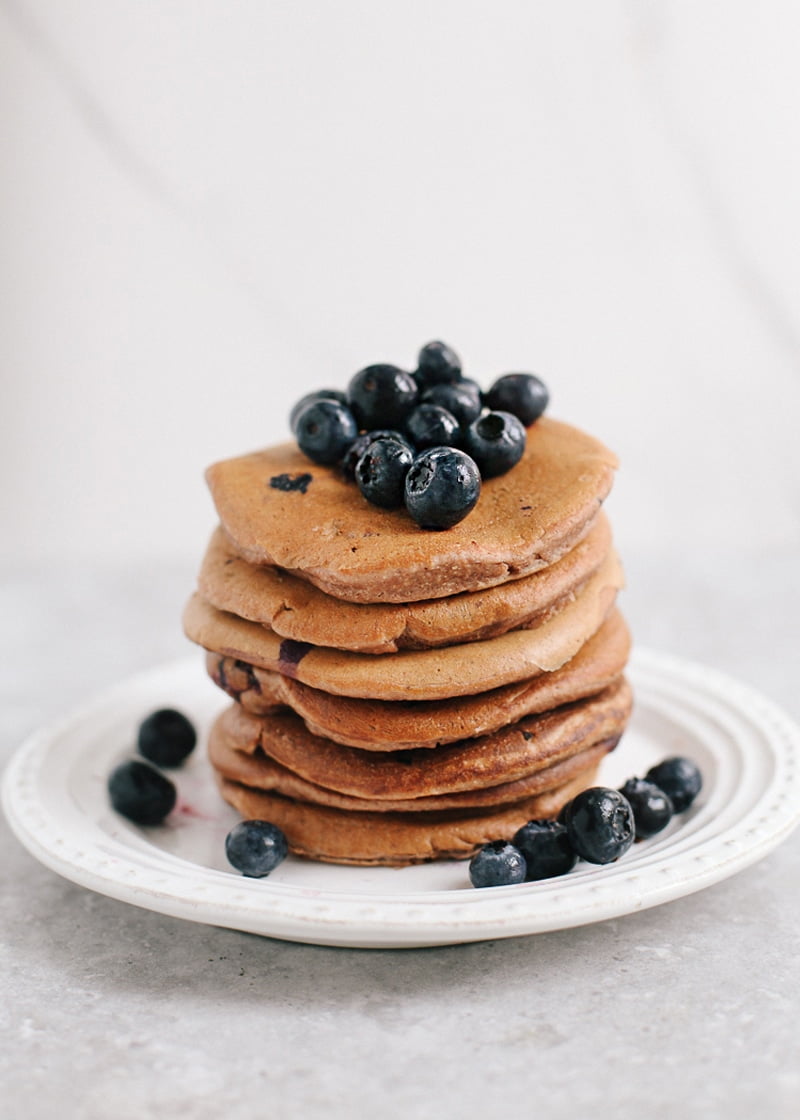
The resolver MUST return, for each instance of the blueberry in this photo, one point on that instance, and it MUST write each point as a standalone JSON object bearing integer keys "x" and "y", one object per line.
{"x": 382, "y": 396}
{"x": 255, "y": 848}
{"x": 547, "y": 849}
{"x": 381, "y": 472}
{"x": 437, "y": 365}
{"x": 652, "y": 808}
{"x": 362, "y": 442}
{"x": 310, "y": 398}
{"x": 522, "y": 394}
{"x": 166, "y": 737}
{"x": 497, "y": 864}
{"x": 325, "y": 429}
{"x": 600, "y": 824}
{"x": 679, "y": 778}
{"x": 463, "y": 399}
{"x": 430, "y": 425}
{"x": 442, "y": 486}
{"x": 140, "y": 793}
{"x": 496, "y": 441}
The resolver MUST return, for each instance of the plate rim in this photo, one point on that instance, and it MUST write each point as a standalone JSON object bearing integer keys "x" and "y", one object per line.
{"x": 399, "y": 920}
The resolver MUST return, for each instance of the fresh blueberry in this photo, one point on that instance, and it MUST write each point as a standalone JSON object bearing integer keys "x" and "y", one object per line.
{"x": 362, "y": 442}
{"x": 497, "y": 864}
{"x": 547, "y": 849}
{"x": 317, "y": 395}
{"x": 166, "y": 737}
{"x": 382, "y": 396}
{"x": 437, "y": 364}
{"x": 522, "y": 394}
{"x": 354, "y": 453}
{"x": 679, "y": 778}
{"x": 381, "y": 472}
{"x": 600, "y": 824}
{"x": 255, "y": 848}
{"x": 140, "y": 793}
{"x": 463, "y": 399}
{"x": 430, "y": 425}
{"x": 324, "y": 430}
{"x": 496, "y": 441}
{"x": 442, "y": 486}
{"x": 652, "y": 808}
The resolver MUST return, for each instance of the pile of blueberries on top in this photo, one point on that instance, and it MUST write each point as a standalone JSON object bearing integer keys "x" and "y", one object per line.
{"x": 599, "y": 825}
{"x": 424, "y": 439}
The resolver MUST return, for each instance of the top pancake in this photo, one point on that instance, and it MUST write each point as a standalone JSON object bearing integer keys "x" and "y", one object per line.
{"x": 279, "y": 508}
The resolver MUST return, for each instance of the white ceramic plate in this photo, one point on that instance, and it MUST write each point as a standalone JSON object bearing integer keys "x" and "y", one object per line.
{"x": 54, "y": 795}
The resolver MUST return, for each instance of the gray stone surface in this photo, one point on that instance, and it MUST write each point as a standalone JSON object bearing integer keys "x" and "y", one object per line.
{"x": 689, "y": 1009}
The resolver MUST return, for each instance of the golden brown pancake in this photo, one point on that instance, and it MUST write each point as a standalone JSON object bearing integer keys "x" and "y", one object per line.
{"x": 431, "y": 674}
{"x": 257, "y": 771}
{"x": 279, "y": 508}
{"x": 385, "y": 725}
{"x": 295, "y": 609}
{"x": 527, "y": 747}
{"x": 394, "y": 839}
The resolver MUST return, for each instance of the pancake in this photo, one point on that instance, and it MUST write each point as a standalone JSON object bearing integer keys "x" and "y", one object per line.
{"x": 257, "y": 771}
{"x": 295, "y": 609}
{"x": 382, "y": 725}
{"x": 331, "y": 835}
{"x": 515, "y": 752}
{"x": 431, "y": 674}
{"x": 279, "y": 508}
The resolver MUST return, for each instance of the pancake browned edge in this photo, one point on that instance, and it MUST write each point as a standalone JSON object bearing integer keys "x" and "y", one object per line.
{"x": 410, "y": 779}
{"x": 392, "y": 725}
{"x": 423, "y": 805}
{"x": 293, "y": 608}
{"x": 393, "y": 839}
{"x": 430, "y": 674}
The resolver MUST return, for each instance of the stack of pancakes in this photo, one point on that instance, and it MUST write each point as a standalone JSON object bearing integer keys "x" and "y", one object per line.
{"x": 403, "y": 695}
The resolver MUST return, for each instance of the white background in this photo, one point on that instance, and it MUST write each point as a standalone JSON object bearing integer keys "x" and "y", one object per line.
{"x": 210, "y": 208}
{"x": 207, "y": 209}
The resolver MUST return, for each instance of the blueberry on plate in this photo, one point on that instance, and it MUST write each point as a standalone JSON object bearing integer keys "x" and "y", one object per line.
{"x": 362, "y": 442}
{"x": 317, "y": 395}
{"x": 437, "y": 364}
{"x": 141, "y": 793}
{"x": 463, "y": 399}
{"x": 166, "y": 737}
{"x": 547, "y": 849}
{"x": 255, "y": 848}
{"x": 381, "y": 472}
{"x": 430, "y": 425}
{"x": 600, "y": 824}
{"x": 524, "y": 395}
{"x": 652, "y": 808}
{"x": 496, "y": 441}
{"x": 324, "y": 429}
{"x": 679, "y": 778}
{"x": 442, "y": 486}
{"x": 497, "y": 864}
{"x": 382, "y": 396}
